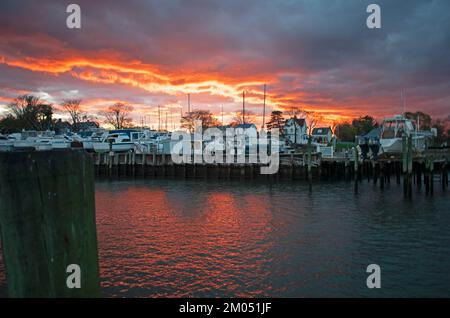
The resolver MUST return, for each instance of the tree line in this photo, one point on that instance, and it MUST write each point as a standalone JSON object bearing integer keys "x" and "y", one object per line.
{"x": 28, "y": 112}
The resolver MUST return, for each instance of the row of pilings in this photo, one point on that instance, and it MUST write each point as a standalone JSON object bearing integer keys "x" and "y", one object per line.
{"x": 422, "y": 174}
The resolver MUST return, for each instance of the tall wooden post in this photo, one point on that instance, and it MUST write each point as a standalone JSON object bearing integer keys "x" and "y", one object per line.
{"x": 410, "y": 166}
{"x": 397, "y": 172}
{"x": 446, "y": 174}
{"x": 431, "y": 177}
{"x": 419, "y": 175}
{"x": 375, "y": 169}
{"x": 443, "y": 172}
{"x": 407, "y": 165}
{"x": 355, "y": 158}
{"x": 309, "y": 164}
{"x": 47, "y": 222}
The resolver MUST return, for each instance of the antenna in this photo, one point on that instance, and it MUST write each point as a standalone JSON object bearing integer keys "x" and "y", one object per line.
{"x": 223, "y": 124}
{"x": 403, "y": 99}
{"x": 264, "y": 107}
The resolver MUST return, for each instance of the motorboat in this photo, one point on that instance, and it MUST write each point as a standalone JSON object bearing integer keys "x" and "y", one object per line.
{"x": 118, "y": 141}
{"x": 393, "y": 130}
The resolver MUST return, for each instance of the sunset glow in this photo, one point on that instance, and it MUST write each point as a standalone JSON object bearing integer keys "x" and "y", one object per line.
{"x": 155, "y": 54}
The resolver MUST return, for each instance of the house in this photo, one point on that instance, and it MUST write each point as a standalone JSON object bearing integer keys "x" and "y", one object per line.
{"x": 62, "y": 127}
{"x": 295, "y": 131}
{"x": 322, "y": 135}
{"x": 86, "y": 126}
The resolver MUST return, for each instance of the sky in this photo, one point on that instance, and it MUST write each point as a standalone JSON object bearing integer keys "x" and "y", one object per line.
{"x": 317, "y": 55}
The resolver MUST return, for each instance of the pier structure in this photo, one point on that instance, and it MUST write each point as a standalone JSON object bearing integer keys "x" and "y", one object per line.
{"x": 415, "y": 169}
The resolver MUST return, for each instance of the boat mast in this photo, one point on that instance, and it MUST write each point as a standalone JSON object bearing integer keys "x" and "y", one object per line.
{"x": 264, "y": 107}
{"x": 166, "y": 120}
{"x": 159, "y": 118}
{"x": 403, "y": 98}
{"x": 243, "y": 107}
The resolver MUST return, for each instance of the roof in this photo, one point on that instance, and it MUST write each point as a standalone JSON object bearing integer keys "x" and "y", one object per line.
{"x": 374, "y": 133}
{"x": 299, "y": 121}
{"x": 244, "y": 126}
{"x": 321, "y": 131}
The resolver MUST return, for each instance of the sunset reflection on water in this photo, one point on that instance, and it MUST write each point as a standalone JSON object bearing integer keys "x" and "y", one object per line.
{"x": 170, "y": 243}
{"x": 198, "y": 238}
{"x": 210, "y": 238}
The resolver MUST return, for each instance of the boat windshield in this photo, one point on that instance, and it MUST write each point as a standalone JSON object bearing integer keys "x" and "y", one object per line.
{"x": 396, "y": 129}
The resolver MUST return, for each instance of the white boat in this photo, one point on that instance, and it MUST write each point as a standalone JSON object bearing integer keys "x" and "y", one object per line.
{"x": 152, "y": 141}
{"x": 97, "y": 136}
{"x": 118, "y": 141}
{"x": 6, "y": 144}
{"x": 392, "y": 132}
{"x": 60, "y": 142}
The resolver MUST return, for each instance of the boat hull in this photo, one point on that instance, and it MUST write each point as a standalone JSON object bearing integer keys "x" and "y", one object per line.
{"x": 395, "y": 145}
{"x": 102, "y": 147}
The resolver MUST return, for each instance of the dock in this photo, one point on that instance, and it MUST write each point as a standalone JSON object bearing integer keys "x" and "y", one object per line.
{"x": 418, "y": 169}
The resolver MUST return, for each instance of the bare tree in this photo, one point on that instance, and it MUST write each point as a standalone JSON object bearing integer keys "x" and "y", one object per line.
{"x": 205, "y": 116}
{"x": 73, "y": 108}
{"x": 312, "y": 119}
{"x": 250, "y": 118}
{"x": 294, "y": 111}
{"x": 118, "y": 115}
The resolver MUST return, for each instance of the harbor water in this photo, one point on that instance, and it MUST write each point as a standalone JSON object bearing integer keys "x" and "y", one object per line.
{"x": 200, "y": 238}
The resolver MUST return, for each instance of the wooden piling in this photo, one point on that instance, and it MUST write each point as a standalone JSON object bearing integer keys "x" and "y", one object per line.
{"x": 47, "y": 222}
{"x": 397, "y": 173}
{"x": 309, "y": 164}
{"x": 356, "y": 164}
{"x": 407, "y": 165}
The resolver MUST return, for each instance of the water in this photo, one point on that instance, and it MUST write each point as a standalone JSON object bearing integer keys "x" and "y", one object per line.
{"x": 197, "y": 238}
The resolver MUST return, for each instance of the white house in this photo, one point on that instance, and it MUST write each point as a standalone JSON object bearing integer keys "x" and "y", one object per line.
{"x": 322, "y": 135}
{"x": 295, "y": 131}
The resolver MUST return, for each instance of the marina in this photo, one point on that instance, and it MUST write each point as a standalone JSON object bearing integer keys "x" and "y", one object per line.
{"x": 233, "y": 156}
{"x": 395, "y": 151}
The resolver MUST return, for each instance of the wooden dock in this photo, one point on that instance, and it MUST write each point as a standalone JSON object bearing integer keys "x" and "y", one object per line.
{"x": 420, "y": 170}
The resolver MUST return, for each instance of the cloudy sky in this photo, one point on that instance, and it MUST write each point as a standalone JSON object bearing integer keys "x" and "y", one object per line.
{"x": 317, "y": 54}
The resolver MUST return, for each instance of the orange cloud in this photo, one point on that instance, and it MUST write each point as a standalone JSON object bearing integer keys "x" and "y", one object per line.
{"x": 109, "y": 67}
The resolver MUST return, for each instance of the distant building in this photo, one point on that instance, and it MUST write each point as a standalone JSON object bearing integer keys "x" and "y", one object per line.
{"x": 295, "y": 131}
{"x": 243, "y": 126}
{"x": 86, "y": 125}
{"x": 322, "y": 135}
{"x": 62, "y": 127}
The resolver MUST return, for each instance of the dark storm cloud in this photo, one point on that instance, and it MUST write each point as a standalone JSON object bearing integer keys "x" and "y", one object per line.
{"x": 314, "y": 48}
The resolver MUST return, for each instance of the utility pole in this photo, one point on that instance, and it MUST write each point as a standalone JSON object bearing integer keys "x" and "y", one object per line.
{"x": 159, "y": 117}
{"x": 223, "y": 124}
{"x": 166, "y": 120}
{"x": 243, "y": 107}
{"x": 189, "y": 103}
{"x": 171, "y": 120}
{"x": 264, "y": 108}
